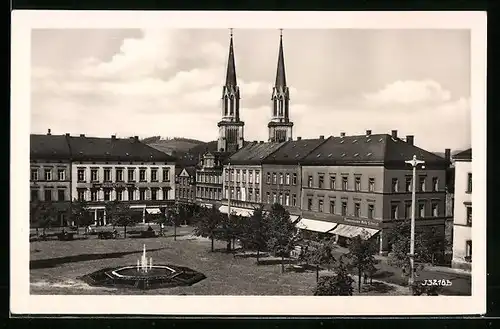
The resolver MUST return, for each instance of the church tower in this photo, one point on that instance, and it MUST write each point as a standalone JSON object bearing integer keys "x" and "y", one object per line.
{"x": 230, "y": 127}
{"x": 280, "y": 126}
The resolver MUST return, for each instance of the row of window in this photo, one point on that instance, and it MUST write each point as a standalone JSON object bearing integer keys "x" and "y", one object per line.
{"x": 243, "y": 194}
{"x": 122, "y": 194}
{"x": 119, "y": 175}
{"x": 185, "y": 181}
{"x": 209, "y": 178}
{"x": 281, "y": 179}
{"x": 48, "y": 174}
{"x": 209, "y": 193}
{"x": 48, "y": 195}
{"x": 243, "y": 175}
{"x": 184, "y": 193}
{"x": 282, "y": 198}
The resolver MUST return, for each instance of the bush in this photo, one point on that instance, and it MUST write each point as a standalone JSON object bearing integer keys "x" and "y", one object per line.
{"x": 339, "y": 284}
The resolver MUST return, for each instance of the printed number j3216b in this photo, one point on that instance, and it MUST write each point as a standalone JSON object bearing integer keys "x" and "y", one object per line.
{"x": 435, "y": 282}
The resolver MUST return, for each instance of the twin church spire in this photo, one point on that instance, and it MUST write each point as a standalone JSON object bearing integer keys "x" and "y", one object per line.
{"x": 231, "y": 127}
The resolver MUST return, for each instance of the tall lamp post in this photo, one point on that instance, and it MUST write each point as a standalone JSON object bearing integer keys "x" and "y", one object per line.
{"x": 414, "y": 163}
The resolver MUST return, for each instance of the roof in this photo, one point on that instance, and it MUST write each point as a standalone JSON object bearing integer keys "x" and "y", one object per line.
{"x": 178, "y": 170}
{"x": 49, "y": 147}
{"x": 114, "y": 149}
{"x": 191, "y": 170}
{"x": 280, "y": 71}
{"x": 365, "y": 149}
{"x": 293, "y": 151}
{"x": 254, "y": 153}
{"x": 464, "y": 155}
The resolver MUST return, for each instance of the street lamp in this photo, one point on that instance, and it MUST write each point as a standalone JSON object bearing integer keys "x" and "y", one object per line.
{"x": 229, "y": 191}
{"x": 414, "y": 163}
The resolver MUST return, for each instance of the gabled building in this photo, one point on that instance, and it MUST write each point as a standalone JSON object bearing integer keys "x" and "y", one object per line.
{"x": 362, "y": 185}
{"x": 462, "y": 217}
{"x": 209, "y": 178}
{"x": 243, "y": 177}
{"x": 185, "y": 182}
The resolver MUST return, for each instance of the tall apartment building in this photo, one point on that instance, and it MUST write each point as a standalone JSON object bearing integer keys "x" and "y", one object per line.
{"x": 462, "y": 218}
{"x": 185, "y": 182}
{"x": 209, "y": 179}
{"x": 362, "y": 185}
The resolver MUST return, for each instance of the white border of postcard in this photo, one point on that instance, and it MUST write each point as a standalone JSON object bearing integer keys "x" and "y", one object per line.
{"x": 21, "y": 300}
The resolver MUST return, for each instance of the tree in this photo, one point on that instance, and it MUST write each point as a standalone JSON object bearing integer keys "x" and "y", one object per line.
{"x": 162, "y": 219}
{"x": 340, "y": 284}
{"x": 119, "y": 214}
{"x": 45, "y": 215}
{"x": 321, "y": 255}
{"x": 207, "y": 223}
{"x": 252, "y": 231}
{"x": 81, "y": 215}
{"x": 361, "y": 253}
{"x": 228, "y": 228}
{"x": 281, "y": 232}
{"x": 174, "y": 218}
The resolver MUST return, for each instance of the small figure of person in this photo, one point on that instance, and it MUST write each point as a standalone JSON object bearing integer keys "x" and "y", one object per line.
{"x": 365, "y": 278}
{"x": 150, "y": 228}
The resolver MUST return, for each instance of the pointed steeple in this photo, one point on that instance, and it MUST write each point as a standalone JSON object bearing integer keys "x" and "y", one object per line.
{"x": 280, "y": 72}
{"x": 231, "y": 67}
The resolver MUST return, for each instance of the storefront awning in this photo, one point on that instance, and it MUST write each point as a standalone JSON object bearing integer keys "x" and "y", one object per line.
{"x": 238, "y": 211}
{"x": 349, "y": 231}
{"x": 153, "y": 211}
{"x": 293, "y": 218}
{"x": 315, "y": 225}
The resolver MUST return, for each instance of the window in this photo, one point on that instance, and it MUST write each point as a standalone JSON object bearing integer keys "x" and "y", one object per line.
{"x": 237, "y": 175}
{"x": 371, "y": 184}
{"x": 60, "y": 195}
{"x": 344, "y": 183}
{"x": 244, "y": 176}
{"x": 281, "y": 178}
{"x": 421, "y": 183}
{"x": 48, "y": 174}
{"x": 154, "y": 175}
{"x": 232, "y": 175}
{"x": 435, "y": 184}
{"x": 371, "y": 211}
{"x": 309, "y": 181}
{"x": 407, "y": 210}
{"x": 357, "y": 207}
{"x": 226, "y": 172}
{"x": 357, "y": 183}
{"x": 394, "y": 185}
{"x": 119, "y": 175}
{"x": 250, "y": 194}
{"x": 166, "y": 174}
{"x": 321, "y": 181}
{"x": 107, "y": 175}
{"x": 469, "y": 216}
{"x": 408, "y": 184}
{"x": 238, "y": 193}
{"x": 280, "y": 199}
{"x": 268, "y": 197}
{"x": 34, "y": 195}
{"x": 309, "y": 204}
{"x": 142, "y": 175}
{"x": 421, "y": 209}
{"x": 332, "y": 206}
{"x": 107, "y": 194}
{"x": 154, "y": 194}
{"x": 394, "y": 211}
{"x": 119, "y": 195}
{"x": 469, "y": 182}
{"x": 294, "y": 179}
{"x": 34, "y": 174}
{"x": 93, "y": 195}
{"x": 232, "y": 193}
{"x": 320, "y": 205}
{"x": 130, "y": 194}
{"x": 434, "y": 209}
{"x": 287, "y": 199}
{"x": 275, "y": 198}
{"x": 332, "y": 182}
{"x": 344, "y": 208}
{"x": 93, "y": 175}
{"x": 287, "y": 179}
{"x": 257, "y": 196}
{"x": 48, "y": 195}
{"x": 61, "y": 174}
{"x": 468, "y": 250}
{"x": 294, "y": 200}
{"x": 274, "y": 178}
{"x": 257, "y": 177}
{"x": 142, "y": 194}
{"x": 250, "y": 176}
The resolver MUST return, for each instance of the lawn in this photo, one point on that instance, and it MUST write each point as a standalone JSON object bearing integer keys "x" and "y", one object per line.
{"x": 56, "y": 266}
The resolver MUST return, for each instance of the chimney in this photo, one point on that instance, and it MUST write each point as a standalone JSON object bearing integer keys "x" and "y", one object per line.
{"x": 410, "y": 139}
{"x": 136, "y": 138}
{"x": 368, "y": 133}
{"x": 82, "y": 135}
{"x": 261, "y": 142}
{"x": 67, "y": 134}
{"x": 447, "y": 155}
{"x": 48, "y": 132}
{"x": 394, "y": 134}
{"x": 299, "y": 138}
{"x": 113, "y": 136}
{"x": 256, "y": 142}
{"x": 321, "y": 137}
{"x": 342, "y": 134}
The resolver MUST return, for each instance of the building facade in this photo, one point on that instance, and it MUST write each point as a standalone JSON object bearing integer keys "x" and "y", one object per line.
{"x": 362, "y": 185}
{"x": 209, "y": 185}
{"x": 109, "y": 169}
{"x": 185, "y": 184}
{"x": 50, "y": 173}
{"x": 462, "y": 221}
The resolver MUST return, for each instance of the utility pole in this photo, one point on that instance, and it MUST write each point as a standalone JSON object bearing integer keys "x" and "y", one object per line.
{"x": 414, "y": 163}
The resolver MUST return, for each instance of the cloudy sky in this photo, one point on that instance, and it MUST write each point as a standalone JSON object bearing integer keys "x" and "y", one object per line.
{"x": 169, "y": 82}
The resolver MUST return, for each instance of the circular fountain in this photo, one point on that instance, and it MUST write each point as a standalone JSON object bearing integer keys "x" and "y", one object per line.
{"x": 144, "y": 275}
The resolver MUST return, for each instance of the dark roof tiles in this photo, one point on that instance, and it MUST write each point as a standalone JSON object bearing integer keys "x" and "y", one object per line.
{"x": 49, "y": 147}
{"x": 464, "y": 155}
{"x": 293, "y": 151}
{"x": 254, "y": 153}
